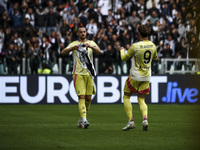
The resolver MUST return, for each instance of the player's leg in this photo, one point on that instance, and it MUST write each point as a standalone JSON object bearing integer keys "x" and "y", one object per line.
{"x": 144, "y": 110}
{"x": 90, "y": 89}
{"x": 143, "y": 105}
{"x": 79, "y": 85}
{"x": 128, "y": 110}
{"x": 88, "y": 99}
{"x": 143, "y": 90}
{"x": 83, "y": 123}
{"x": 128, "y": 106}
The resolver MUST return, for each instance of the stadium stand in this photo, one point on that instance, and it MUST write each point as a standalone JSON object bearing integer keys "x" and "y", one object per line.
{"x": 36, "y": 32}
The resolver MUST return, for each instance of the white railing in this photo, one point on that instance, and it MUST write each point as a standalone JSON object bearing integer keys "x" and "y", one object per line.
{"x": 169, "y": 65}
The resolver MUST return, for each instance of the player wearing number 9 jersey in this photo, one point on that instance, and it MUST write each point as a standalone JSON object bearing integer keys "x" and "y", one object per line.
{"x": 141, "y": 54}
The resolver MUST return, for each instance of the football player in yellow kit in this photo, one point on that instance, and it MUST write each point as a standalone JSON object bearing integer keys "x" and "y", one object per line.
{"x": 83, "y": 71}
{"x": 141, "y": 54}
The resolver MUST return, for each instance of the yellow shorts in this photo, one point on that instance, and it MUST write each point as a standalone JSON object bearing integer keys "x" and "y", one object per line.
{"x": 132, "y": 86}
{"x": 84, "y": 84}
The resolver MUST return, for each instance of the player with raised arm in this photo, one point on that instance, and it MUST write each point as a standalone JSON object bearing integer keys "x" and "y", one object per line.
{"x": 141, "y": 54}
{"x": 83, "y": 71}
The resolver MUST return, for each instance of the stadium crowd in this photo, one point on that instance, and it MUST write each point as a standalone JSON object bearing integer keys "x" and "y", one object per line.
{"x": 38, "y": 30}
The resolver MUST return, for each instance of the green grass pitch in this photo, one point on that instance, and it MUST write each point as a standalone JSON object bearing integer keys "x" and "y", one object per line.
{"x": 46, "y": 127}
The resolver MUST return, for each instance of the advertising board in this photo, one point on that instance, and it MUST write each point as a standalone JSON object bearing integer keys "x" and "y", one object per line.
{"x": 33, "y": 89}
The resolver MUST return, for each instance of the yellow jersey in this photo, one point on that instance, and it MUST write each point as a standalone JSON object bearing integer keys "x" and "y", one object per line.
{"x": 78, "y": 67}
{"x": 142, "y": 54}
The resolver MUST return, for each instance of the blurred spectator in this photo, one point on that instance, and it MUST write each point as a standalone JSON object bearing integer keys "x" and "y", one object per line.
{"x": 2, "y": 9}
{"x": 174, "y": 32}
{"x": 5, "y": 21}
{"x": 4, "y": 4}
{"x": 17, "y": 20}
{"x": 73, "y": 6}
{"x": 83, "y": 19}
{"x": 166, "y": 10}
{"x": 64, "y": 30}
{"x": 46, "y": 50}
{"x": 117, "y": 62}
{"x": 117, "y": 15}
{"x": 105, "y": 6}
{"x": 82, "y": 5}
{"x": 2, "y": 56}
{"x": 73, "y": 28}
{"x": 30, "y": 16}
{"x": 91, "y": 29}
{"x": 51, "y": 21}
{"x": 126, "y": 39}
{"x": 128, "y": 7}
{"x": 91, "y": 13}
{"x": 183, "y": 14}
{"x": 154, "y": 8}
{"x": 27, "y": 30}
{"x": 133, "y": 19}
{"x": 2, "y": 53}
{"x": 40, "y": 19}
{"x": 109, "y": 18}
{"x": 169, "y": 42}
{"x": 156, "y": 30}
{"x": 181, "y": 29}
{"x": 194, "y": 48}
{"x": 181, "y": 47}
{"x": 108, "y": 57}
{"x": 174, "y": 12}
{"x": 11, "y": 59}
{"x": 18, "y": 58}
{"x": 167, "y": 51}
{"x": 2, "y": 38}
{"x": 140, "y": 6}
{"x": 153, "y": 17}
{"x": 104, "y": 43}
{"x": 34, "y": 55}
{"x": 50, "y": 6}
{"x": 70, "y": 17}
{"x": 100, "y": 17}
{"x": 150, "y": 4}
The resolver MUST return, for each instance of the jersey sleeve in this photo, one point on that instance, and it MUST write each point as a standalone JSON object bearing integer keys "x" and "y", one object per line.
{"x": 93, "y": 44}
{"x": 71, "y": 45}
{"x": 125, "y": 55}
{"x": 131, "y": 50}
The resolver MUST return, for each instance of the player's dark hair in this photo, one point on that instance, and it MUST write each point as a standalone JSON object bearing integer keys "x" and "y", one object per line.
{"x": 144, "y": 30}
{"x": 81, "y": 26}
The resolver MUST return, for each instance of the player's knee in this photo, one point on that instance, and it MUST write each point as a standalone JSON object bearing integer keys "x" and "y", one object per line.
{"x": 88, "y": 98}
{"x": 127, "y": 94}
{"x": 81, "y": 96}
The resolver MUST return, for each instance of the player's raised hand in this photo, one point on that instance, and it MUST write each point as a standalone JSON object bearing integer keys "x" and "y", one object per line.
{"x": 87, "y": 45}
{"x": 75, "y": 47}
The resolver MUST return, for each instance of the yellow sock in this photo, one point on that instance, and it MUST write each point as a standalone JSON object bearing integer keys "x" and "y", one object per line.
{"x": 143, "y": 107}
{"x": 87, "y": 105}
{"x": 82, "y": 108}
{"x": 128, "y": 107}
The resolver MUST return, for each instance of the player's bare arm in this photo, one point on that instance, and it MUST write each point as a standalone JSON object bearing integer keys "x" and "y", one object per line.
{"x": 94, "y": 48}
{"x": 69, "y": 49}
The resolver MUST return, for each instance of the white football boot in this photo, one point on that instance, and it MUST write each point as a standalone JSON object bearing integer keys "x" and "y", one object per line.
{"x": 145, "y": 125}
{"x": 83, "y": 123}
{"x": 130, "y": 125}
